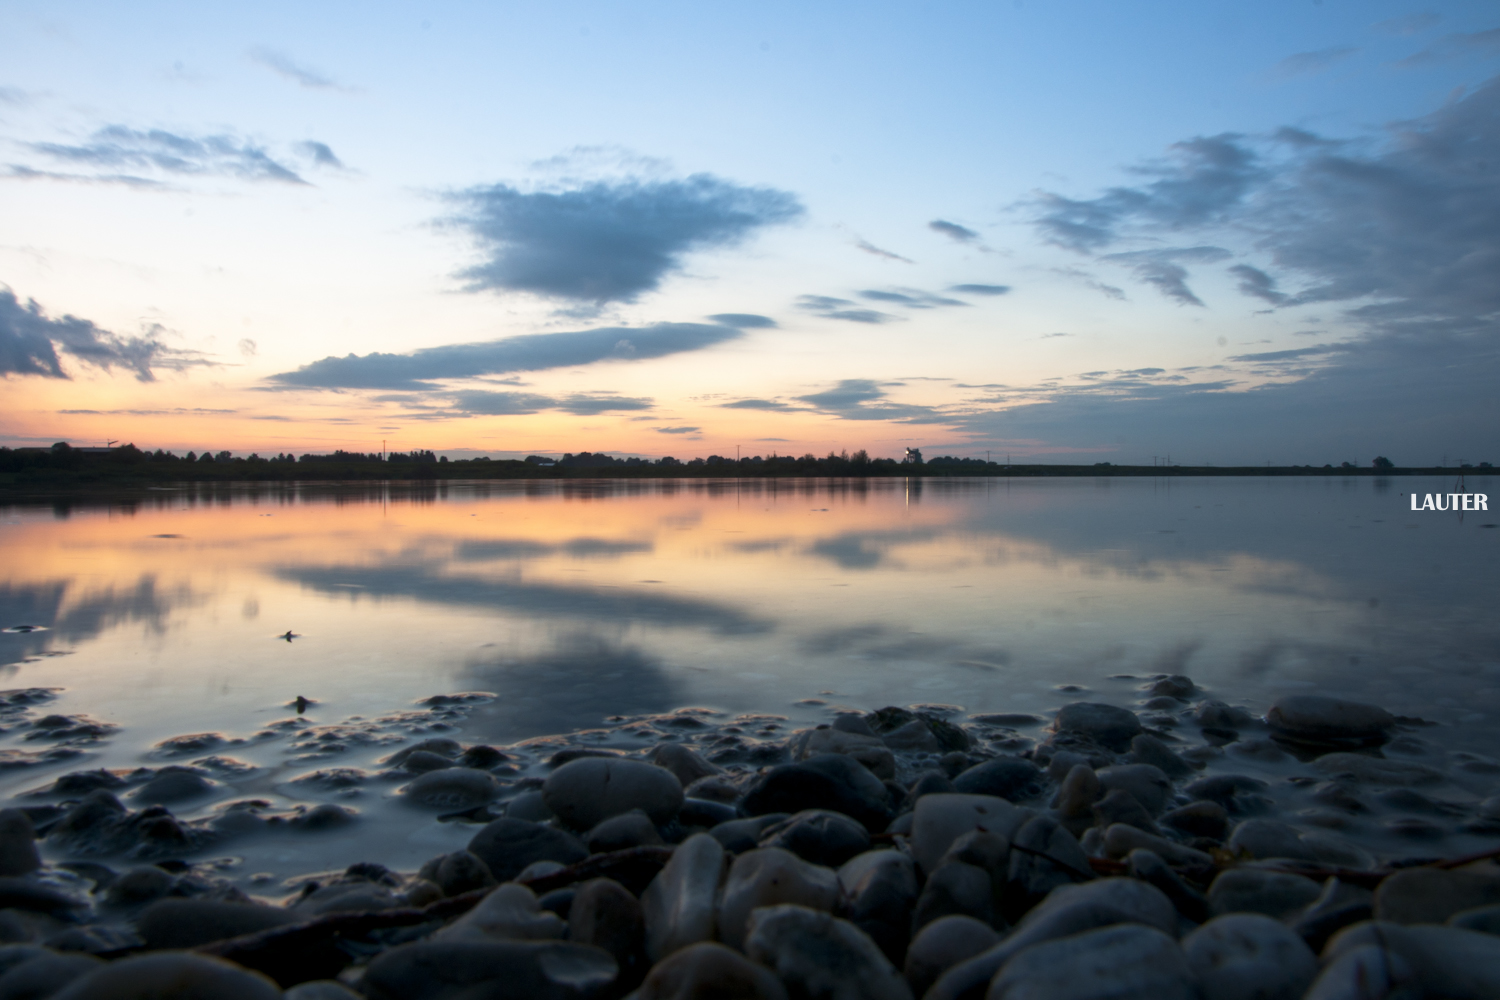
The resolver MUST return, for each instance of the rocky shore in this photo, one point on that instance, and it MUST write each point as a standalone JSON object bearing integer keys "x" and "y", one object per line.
{"x": 1188, "y": 849}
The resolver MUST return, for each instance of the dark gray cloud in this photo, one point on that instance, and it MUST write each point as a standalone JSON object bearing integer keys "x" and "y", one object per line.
{"x": 952, "y": 230}
{"x": 758, "y": 404}
{"x": 529, "y": 352}
{"x": 865, "y": 399}
{"x": 584, "y": 547}
{"x": 1258, "y": 284}
{"x": 876, "y": 251}
{"x": 744, "y": 321}
{"x": 118, "y": 147}
{"x": 30, "y": 343}
{"x": 590, "y": 404}
{"x": 283, "y": 65}
{"x": 911, "y": 298}
{"x": 1161, "y": 268}
{"x": 980, "y": 289}
{"x": 607, "y": 241}
{"x": 1288, "y": 355}
{"x": 1310, "y": 63}
{"x": 830, "y": 307}
{"x": 479, "y": 402}
{"x": 677, "y": 430}
{"x": 1456, "y": 46}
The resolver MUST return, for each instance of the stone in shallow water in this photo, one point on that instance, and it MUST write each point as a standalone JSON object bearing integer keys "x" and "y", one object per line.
{"x": 1377, "y": 771}
{"x": 768, "y": 876}
{"x": 1149, "y": 867}
{"x": 869, "y": 751}
{"x": 710, "y": 972}
{"x": 741, "y": 835}
{"x": 453, "y": 788}
{"x": 818, "y": 835}
{"x": 828, "y": 781}
{"x": 1250, "y": 890}
{"x": 439, "y": 746}
{"x": 489, "y": 970}
{"x": 938, "y": 820}
{"x": 173, "y": 785}
{"x": 1175, "y": 686}
{"x": 507, "y": 846}
{"x": 1148, "y": 784}
{"x": 188, "y": 923}
{"x": 510, "y": 913}
{"x": 941, "y": 945}
{"x": 1147, "y": 749}
{"x": 818, "y": 955}
{"x": 684, "y": 762}
{"x": 1107, "y": 725}
{"x": 880, "y": 889}
{"x": 18, "y": 855}
{"x": 1431, "y": 896}
{"x": 1011, "y": 779}
{"x": 1249, "y": 956}
{"x": 679, "y": 905}
{"x": 1310, "y": 718}
{"x": 583, "y": 793}
{"x": 458, "y": 872}
{"x": 423, "y": 761}
{"x": 1199, "y": 819}
{"x": 171, "y": 975}
{"x": 1122, "y": 961}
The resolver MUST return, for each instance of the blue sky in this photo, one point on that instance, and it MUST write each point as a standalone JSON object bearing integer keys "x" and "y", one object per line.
{"x": 1071, "y": 231}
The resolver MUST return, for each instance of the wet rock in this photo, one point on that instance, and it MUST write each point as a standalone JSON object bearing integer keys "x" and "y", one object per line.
{"x": 458, "y": 872}
{"x": 507, "y": 846}
{"x": 704, "y": 813}
{"x": 1424, "y": 960}
{"x": 942, "y": 944}
{"x": 586, "y": 792}
{"x": 914, "y": 737}
{"x": 955, "y": 888}
{"x": 89, "y": 825}
{"x": 1339, "y": 906}
{"x": 326, "y": 816}
{"x": 12, "y": 955}
{"x": 1250, "y": 890}
{"x": 818, "y": 955}
{"x": 489, "y": 970}
{"x": 139, "y": 885}
{"x": 741, "y": 835}
{"x": 1482, "y": 918}
{"x": 632, "y": 829}
{"x": 1062, "y": 763}
{"x": 828, "y": 781}
{"x": 685, "y": 763}
{"x": 930, "y": 783}
{"x": 679, "y": 906}
{"x": 1148, "y": 784}
{"x": 713, "y": 789}
{"x": 851, "y": 723}
{"x": 1199, "y": 819}
{"x": 45, "y": 974}
{"x": 1147, "y": 749}
{"x": 1119, "y": 840}
{"x": 1043, "y": 856}
{"x": 18, "y": 854}
{"x": 321, "y": 989}
{"x": 422, "y": 761}
{"x": 1119, "y": 806}
{"x": 1175, "y": 686}
{"x": 421, "y": 892}
{"x": 332, "y": 779}
{"x": 710, "y": 972}
{"x": 1248, "y": 956}
{"x": 538, "y": 869}
{"x": 604, "y": 914}
{"x": 939, "y": 820}
{"x": 1107, "y": 725}
{"x": 1068, "y": 911}
{"x": 453, "y": 788}
{"x": 1076, "y": 796}
{"x": 510, "y": 913}
{"x": 178, "y": 976}
{"x": 1315, "y": 719}
{"x": 439, "y": 746}
{"x": 83, "y": 782}
{"x": 24, "y": 894}
{"x": 880, "y": 891}
{"x": 1120, "y": 961}
{"x": 888, "y": 721}
{"x": 870, "y": 751}
{"x": 1268, "y": 838}
{"x": 1377, "y": 771}
{"x": 1236, "y": 793}
{"x": 1212, "y": 714}
{"x": 769, "y": 876}
{"x": 1149, "y": 867}
{"x": 179, "y": 746}
{"x": 1011, "y": 779}
{"x": 819, "y": 836}
{"x": 529, "y": 806}
{"x": 347, "y": 897}
{"x": 1260, "y": 751}
{"x": 1431, "y": 896}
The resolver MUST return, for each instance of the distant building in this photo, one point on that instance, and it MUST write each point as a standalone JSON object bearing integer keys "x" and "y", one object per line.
{"x": 913, "y": 457}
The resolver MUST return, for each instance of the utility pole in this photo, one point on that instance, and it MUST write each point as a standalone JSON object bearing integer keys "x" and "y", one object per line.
{"x": 382, "y": 449}
{"x": 736, "y": 454}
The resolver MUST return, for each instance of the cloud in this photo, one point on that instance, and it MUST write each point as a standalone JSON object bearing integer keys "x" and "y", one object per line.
{"x": 1161, "y": 268}
{"x": 677, "y": 430}
{"x": 874, "y": 250}
{"x": 757, "y": 404}
{"x": 952, "y": 230}
{"x": 834, "y": 308}
{"x": 529, "y": 352}
{"x": 117, "y": 147}
{"x": 1456, "y": 46}
{"x": 498, "y": 404}
{"x": 1087, "y": 279}
{"x": 16, "y": 171}
{"x": 1301, "y": 352}
{"x": 248, "y": 347}
{"x": 30, "y": 342}
{"x": 744, "y": 321}
{"x": 590, "y": 404}
{"x": 583, "y": 547}
{"x": 1258, "y": 284}
{"x": 320, "y": 154}
{"x": 911, "y": 298}
{"x": 14, "y": 95}
{"x": 282, "y": 64}
{"x": 864, "y": 399}
{"x": 980, "y": 289}
{"x": 607, "y": 241}
{"x": 1310, "y": 63}
{"x": 1408, "y": 24}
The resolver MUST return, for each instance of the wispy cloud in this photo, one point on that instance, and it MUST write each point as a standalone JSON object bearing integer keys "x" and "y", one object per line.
{"x": 1408, "y": 24}
{"x": 911, "y": 298}
{"x": 865, "y": 399}
{"x": 1311, "y": 63}
{"x": 988, "y": 290}
{"x": 30, "y": 343}
{"x": 743, "y": 321}
{"x": 1163, "y": 268}
{"x": 283, "y": 65}
{"x": 955, "y": 232}
{"x": 1456, "y": 46}
{"x": 677, "y": 430}
{"x": 876, "y": 251}
{"x": 830, "y": 307}
{"x": 118, "y": 153}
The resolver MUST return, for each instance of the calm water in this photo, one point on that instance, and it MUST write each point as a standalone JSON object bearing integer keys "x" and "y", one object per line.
{"x": 575, "y": 601}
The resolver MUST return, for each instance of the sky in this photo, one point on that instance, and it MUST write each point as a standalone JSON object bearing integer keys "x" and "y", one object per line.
{"x": 1074, "y": 231}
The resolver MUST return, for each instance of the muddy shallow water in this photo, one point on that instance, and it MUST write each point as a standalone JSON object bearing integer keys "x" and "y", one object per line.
{"x": 152, "y": 629}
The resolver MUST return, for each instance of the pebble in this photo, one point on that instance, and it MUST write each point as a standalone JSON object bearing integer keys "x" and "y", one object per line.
{"x": 139, "y": 885}
{"x": 679, "y": 906}
{"x": 510, "y": 913}
{"x": 632, "y": 829}
{"x": 585, "y": 792}
{"x": 1431, "y": 896}
{"x": 453, "y": 788}
{"x": 828, "y": 781}
{"x": 818, "y": 835}
{"x": 45, "y": 974}
{"x": 188, "y": 923}
{"x": 1316, "y": 719}
{"x": 507, "y": 846}
{"x": 869, "y": 751}
{"x": 1249, "y": 956}
{"x": 460, "y": 872}
{"x": 942, "y": 944}
{"x": 604, "y": 914}
{"x": 450, "y": 969}
{"x": 709, "y": 971}
{"x": 321, "y": 989}
{"x": 685, "y": 763}
{"x": 938, "y": 820}
{"x": 1076, "y": 795}
{"x": 1119, "y": 806}
{"x": 1481, "y": 918}
{"x": 18, "y": 854}
{"x": 1149, "y": 785}
{"x": 768, "y": 876}
{"x": 1151, "y": 869}
{"x": 422, "y": 761}
{"x": 1121, "y": 838}
{"x": 1378, "y": 771}
{"x": 879, "y": 893}
{"x": 530, "y": 806}
{"x": 1127, "y": 960}
{"x": 913, "y": 737}
{"x": 1147, "y": 749}
{"x": 1107, "y": 725}
{"x": 1007, "y": 778}
{"x": 819, "y": 955}
{"x": 955, "y": 888}
{"x": 438, "y": 746}
{"x": 1199, "y": 819}
{"x": 178, "y": 976}
{"x": 1043, "y": 856}
{"x": 1250, "y": 890}
{"x": 741, "y": 835}
{"x": 1448, "y": 962}
{"x": 1269, "y": 838}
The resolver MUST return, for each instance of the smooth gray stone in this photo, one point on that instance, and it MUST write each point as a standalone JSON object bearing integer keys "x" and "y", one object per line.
{"x": 1147, "y": 749}
{"x": 1076, "y": 795}
{"x": 12, "y": 955}
{"x": 1043, "y": 856}
{"x": 818, "y": 835}
{"x": 870, "y": 752}
{"x": 604, "y": 914}
{"x": 1175, "y": 686}
{"x": 686, "y": 764}
{"x": 452, "y": 788}
{"x": 1069, "y": 910}
{"x": 173, "y": 786}
{"x": 45, "y": 975}
{"x": 1447, "y": 962}
{"x": 1269, "y": 838}
{"x": 1121, "y": 838}
{"x": 1482, "y": 918}
{"x": 1368, "y": 972}
{"x": 955, "y": 888}
{"x": 938, "y": 820}
{"x": 1126, "y": 960}
{"x": 914, "y": 737}
{"x": 529, "y": 806}
{"x": 769, "y": 876}
{"x": 422, "y": 761}
{"x": 714, "y": 788}
{"x": 941, "y": 945}
{"x": 585, "y": 792}
{"x": 18, "y": 854}
{"x": 1250, "y": 890}
{"x": 1212, "y": 714}
{"x": 709, "y": 971}
{"x": 1235, "y": 792}
{"x": 510, "y": 913}
{"x": 856, "y": 724}
{"x": 632, "y": 829}
{"x": 1148, "y": 784}
{"x": 1263, "y": 751}
{"x": 139, "y": 885}
{"x": 880, "y": 891}
{"x": 741, "y": 835}
{"x": 188, "y": 923}
{"x": 321, "y": 989}
{"x": 1377, "y": 771}
{"x": 1107, "y": 725}
{"x": 679, "y": 906}
{"x": 1431, "y": 896}
{"x": 439, "y": 745}
{"x": 1063, "y": 762}
{"x": 929, "y": 783}
{"x": 818, "y": 955}
{"x": 174, "y": 975}
{"x": 508, "y": 845}
{"x": 1339, "y": 905}
{"x": 1199, "y": 819}
{"x": 1011, "y": 779}
{"x": 1119, "y": 806}
{"x": 347, "y": 897}
{"x": 1150, "y": 868}
{"x": 489, "y": 970}
{"x": 1249, "y": 956}
{"x": 1314, "y": 718}
{"x": 826, "y": 781}
{"x": 461, "y": 872}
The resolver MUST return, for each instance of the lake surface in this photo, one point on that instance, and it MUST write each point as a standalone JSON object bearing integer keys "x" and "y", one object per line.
{"x": 573, "y": 601}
